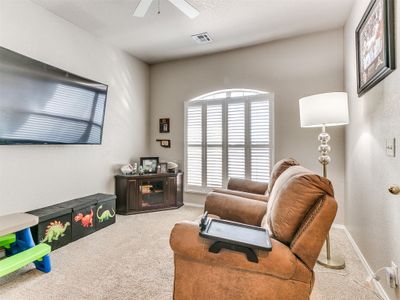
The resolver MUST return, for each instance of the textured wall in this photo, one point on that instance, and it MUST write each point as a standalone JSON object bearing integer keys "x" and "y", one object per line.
{"x": 36, "y": 176}
{"x": 290, "y": 68}
{"x": 372, "y": 215}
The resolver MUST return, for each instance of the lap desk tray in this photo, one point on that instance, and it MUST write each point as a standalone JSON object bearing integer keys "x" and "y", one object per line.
{"x": 236, "y": 236}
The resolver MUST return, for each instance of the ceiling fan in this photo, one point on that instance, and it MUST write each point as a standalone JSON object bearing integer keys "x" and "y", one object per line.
{"x": 182, "y": 5}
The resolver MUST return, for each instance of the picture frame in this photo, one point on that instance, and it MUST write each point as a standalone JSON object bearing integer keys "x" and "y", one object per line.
{"x": 163, "y": 168}
{"x": 149, "y": 164}
{"x": 375, "y": 48}
{"x": 164, "y": 143}
{"x": 164, "y": 125}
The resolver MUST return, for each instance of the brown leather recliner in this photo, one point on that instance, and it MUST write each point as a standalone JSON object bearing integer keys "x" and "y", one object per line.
{"x": 253, "y": 189}
{"x": 300, "y": 212}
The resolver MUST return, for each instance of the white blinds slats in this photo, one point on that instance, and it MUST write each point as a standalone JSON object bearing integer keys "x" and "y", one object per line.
{"x": 236, "y": 162}
{"x": 194, "y": 164}
{"x": 231, "y": 139}
{"x": 259, "y": 123}
{"x": 236, "y": 140}
{"x": 214, "y": 143}
{"x": 236, "y": 123}
{"x": 214, "y": 124}
{"x": 194, "y": 155}
{"x": 259, "y": 128}
{"x": 214, "y": 166}
{"x": 194, "y": 125}
{"x": 260, "y": 162}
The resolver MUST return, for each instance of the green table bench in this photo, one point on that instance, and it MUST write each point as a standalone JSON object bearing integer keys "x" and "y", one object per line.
{"x": 16, "y": 238}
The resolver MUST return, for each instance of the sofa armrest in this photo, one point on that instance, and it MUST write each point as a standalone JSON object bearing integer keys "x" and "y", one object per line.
{"x": 258, "y": 197}
{"x": 235, "y": 208}
{"x": 248, "y": 186}
{"x": 280, "y": 262}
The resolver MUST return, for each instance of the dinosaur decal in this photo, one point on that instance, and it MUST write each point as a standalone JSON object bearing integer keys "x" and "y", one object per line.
{"x": 105, "y": 215}
{"x": 87, "y": 220}
{"x": 54, "y": 230}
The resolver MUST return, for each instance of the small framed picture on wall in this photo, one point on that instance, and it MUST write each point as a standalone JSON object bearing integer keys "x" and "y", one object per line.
{"x": 164, "y": 143}
{"x": 164, "y": 125}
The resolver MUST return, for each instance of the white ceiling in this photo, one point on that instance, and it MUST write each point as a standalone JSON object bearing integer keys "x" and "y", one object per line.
{"x": 231, "y": 23}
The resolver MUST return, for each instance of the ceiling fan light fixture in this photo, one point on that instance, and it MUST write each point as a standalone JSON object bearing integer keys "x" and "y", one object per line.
{"x": 186, "y": 8}
{"x": 142, "y": 8}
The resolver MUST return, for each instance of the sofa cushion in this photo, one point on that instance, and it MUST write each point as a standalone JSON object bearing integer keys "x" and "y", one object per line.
{"x": 280, "y": 167}
{"x": 294, "y": 194}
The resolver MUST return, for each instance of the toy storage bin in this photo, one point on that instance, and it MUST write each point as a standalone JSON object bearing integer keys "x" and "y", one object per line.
{"x": 54, "y": 227}
{"x": 83, "y": 216}
{"x": 105, "y": 214}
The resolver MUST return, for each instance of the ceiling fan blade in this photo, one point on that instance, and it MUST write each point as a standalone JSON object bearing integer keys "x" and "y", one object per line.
{"x": 142, "y": 8}
{"x": 186, "y": 8}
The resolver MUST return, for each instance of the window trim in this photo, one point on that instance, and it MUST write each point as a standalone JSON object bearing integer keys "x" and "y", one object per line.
{"x": 260, "y": 96}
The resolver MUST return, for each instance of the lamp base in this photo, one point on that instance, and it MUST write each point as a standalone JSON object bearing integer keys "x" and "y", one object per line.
{"x": 336, "y": 263}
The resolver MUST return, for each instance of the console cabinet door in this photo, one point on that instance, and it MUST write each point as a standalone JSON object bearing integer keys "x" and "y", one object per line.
{"x": 179, "y": 189}
{"x": 152, "y": 193}
{"x": 171, "y": 191}
{"x": 132, "y": 194}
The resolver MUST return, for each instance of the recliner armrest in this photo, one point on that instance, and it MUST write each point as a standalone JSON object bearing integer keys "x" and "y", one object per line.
{"x": 258, "y": 197}
{"x": 248, "y": 186}
{"x": 235, "y": 208}
{"x": 280, "y": 262}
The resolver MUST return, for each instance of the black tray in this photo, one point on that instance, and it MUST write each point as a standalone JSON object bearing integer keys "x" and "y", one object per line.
{"x": 237, "y": 234}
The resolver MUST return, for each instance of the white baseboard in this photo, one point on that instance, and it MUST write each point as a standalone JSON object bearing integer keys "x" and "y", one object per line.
{"x": 193, "y": 204}
{"x": 377, "y": 286}
{"x": 338, "y": 226}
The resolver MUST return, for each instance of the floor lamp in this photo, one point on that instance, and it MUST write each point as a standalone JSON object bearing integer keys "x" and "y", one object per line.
{"x": 324, "y": 110}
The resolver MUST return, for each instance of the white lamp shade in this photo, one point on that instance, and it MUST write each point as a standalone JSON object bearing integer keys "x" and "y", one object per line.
{"x": 329, "y": 109}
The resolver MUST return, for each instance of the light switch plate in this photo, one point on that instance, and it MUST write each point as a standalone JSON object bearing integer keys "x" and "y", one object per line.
{"x": 391, "y": 147}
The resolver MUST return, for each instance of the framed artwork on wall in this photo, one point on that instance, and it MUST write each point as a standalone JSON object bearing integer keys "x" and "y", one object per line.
{"x": 164, "y": 125}
{"x": 375, "y": 45}
{"x": 164, "y": 143}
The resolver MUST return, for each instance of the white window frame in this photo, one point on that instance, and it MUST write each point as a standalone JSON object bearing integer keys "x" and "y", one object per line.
{"x": 260, "y": 96}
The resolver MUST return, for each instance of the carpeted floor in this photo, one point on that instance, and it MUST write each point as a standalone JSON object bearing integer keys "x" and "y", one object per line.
{"x": 132, "y": 260}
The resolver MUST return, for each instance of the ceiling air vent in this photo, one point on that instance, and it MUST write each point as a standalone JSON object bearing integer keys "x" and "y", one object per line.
{"x": 202, "y": 38}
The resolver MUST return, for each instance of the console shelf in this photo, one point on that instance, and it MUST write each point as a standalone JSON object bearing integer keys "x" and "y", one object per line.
{"x": 151, "y": 192}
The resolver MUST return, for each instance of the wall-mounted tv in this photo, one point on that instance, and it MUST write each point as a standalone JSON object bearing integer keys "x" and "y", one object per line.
{"x": 41, "y": 104}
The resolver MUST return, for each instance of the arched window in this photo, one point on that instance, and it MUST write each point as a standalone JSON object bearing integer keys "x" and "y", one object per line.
{"x": 228, "y": 134}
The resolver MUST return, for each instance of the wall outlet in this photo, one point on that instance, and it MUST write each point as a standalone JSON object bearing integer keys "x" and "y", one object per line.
{"x": 394, "y": 281}
{"x": 391, "y": 147}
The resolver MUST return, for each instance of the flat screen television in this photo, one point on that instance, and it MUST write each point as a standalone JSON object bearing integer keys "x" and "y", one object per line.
{"x": 41, "y": 104}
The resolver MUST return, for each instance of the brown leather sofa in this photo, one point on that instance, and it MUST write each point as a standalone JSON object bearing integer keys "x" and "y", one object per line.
{"x": 299, "y": 214}
{"x": 253, "y": 189}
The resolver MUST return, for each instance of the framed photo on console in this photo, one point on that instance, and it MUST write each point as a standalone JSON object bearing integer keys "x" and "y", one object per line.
{"x": 163, "y": 168}
{"x": 375, "y": 45}
{"x": 149, "y": 164}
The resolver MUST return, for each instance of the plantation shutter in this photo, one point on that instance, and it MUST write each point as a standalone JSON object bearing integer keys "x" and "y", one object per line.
{"x": 236, "y": 140}
{"x": 227, "y": 135}
{"x": 259, "y": 134}
{"x": 194, "y": 145}
{"x": 214, "y": 145}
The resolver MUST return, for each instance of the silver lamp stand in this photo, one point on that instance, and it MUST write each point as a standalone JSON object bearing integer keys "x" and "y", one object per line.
{"x": 328, "y": 261}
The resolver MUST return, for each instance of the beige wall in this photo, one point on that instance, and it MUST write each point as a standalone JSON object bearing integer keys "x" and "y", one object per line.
{"x": 372, "y": 215}
{"x": 36, "y": 176}
{"x": 290, "y": 68}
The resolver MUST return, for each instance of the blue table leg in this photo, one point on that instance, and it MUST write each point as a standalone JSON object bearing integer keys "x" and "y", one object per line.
{"x": 44, "y": 264}
{"x": 25, "y": 241}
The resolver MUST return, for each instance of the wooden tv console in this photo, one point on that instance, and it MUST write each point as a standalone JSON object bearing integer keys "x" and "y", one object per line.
{"x": 150, "y": 192}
